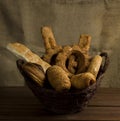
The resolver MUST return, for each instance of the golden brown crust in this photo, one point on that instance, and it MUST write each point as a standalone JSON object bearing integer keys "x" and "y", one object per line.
{"x": 78, "y": 65}
{"x": 58, "y": 78}
{"x": 51, "y": 53}
{"x": 84, "y": 43}
{"x": 48, "y": 37}
{"x": 72, "y": 64}
{"x": 52, "y": 49}
{"x": 62, "y": 58}
{"x": 83, "y": 80}
{"x": 94, "y": 65}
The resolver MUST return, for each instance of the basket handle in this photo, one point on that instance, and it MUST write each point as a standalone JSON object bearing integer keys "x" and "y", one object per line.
{"x": 104, "y": 66}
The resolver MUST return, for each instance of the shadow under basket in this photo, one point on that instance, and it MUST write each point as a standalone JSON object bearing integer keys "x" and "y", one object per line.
{"x": 66, "y": 102}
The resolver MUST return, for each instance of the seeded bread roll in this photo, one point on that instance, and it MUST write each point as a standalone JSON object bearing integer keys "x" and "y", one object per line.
{"x": 58, "y": 78}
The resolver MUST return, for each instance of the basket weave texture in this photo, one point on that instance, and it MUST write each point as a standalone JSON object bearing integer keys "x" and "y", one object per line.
{"x": 66, "y": 102}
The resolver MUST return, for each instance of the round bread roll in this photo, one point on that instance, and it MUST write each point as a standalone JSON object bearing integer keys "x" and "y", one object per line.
{"x": 58, "y": 78}
{"x": 83, "y": 80}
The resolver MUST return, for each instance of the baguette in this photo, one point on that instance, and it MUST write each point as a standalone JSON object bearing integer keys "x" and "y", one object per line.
{"x": 22, "y": 51}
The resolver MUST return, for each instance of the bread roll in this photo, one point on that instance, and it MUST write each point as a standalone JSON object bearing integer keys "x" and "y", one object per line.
{"x": 58, "y": 78}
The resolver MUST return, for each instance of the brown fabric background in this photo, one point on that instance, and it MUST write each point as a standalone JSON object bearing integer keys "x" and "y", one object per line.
{"x": 21, "y": 20}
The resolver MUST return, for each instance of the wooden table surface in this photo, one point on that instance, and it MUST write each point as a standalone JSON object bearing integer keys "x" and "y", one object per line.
{"x": 19, "y": 104}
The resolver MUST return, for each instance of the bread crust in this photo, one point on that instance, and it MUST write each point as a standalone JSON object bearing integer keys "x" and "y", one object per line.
{"x": 22, "y": 51}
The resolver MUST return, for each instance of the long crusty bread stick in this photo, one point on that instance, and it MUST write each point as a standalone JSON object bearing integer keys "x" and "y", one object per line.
{"x": 21, "y": 50}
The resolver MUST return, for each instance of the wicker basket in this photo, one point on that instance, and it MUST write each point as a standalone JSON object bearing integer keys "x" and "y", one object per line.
{"x": 66, "y": 102}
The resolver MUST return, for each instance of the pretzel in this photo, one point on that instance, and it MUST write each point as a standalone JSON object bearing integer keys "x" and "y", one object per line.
{"x": 62, "y": 60}
{"x": 83, "y": 46}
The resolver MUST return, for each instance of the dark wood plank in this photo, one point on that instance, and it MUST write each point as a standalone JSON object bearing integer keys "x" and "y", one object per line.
{"x": 106, "y": 97}
{"x": 89, "y": 113}
{"x": 19, "y": 103}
